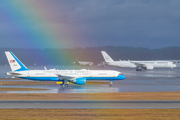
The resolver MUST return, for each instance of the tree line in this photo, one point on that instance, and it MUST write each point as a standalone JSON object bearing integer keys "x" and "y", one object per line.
{"x": 67, "y": 56}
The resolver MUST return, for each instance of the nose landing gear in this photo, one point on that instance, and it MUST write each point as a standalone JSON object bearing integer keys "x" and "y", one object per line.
{"x": 111, "y": 83}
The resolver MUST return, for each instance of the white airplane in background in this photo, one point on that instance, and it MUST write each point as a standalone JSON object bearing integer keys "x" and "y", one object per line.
{"x": 19, "y": 70}
{"x": 84, "y": 63}
{"x": 139, "y": 65}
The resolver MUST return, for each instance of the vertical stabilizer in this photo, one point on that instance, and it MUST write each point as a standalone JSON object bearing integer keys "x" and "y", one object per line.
{"x": 107, "y": 58}
{"x": 14, "y": 62}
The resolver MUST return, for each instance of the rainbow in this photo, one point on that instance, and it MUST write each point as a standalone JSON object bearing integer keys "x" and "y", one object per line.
{"x": 34, "y": 24}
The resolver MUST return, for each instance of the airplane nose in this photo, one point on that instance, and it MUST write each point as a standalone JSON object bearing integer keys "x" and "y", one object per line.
{"x": 8, "y": 73}
{"x": 122, "y": 77}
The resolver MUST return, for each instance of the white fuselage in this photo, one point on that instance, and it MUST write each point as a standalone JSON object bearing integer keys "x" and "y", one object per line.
{"x": 157, "y": 64}
{"x": 134, "y": 64}
{"x": 122, "y": 64}
{"x": 85, "y": 63}
{"x": 53, "y": 74}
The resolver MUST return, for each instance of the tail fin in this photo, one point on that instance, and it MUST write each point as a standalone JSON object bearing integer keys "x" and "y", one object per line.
{"x": 107, "y": 58}
{"x": 14, "y": 62}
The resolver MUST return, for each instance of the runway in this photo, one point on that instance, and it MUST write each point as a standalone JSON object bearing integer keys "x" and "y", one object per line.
{"x": 83, "y": 104}
{"x": 157, "y": 80}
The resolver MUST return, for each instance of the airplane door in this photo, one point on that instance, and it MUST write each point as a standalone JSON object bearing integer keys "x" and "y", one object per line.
{"x": 90, "y": 74}
{"x": 44, "y": 72}
{"x": 114, "y": 74}
{"x": 28, "y": 75}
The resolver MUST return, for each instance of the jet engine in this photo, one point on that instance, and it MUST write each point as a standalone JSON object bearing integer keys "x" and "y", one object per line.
{"x": 80, "y": 81}
{"x": 149, "y": 67}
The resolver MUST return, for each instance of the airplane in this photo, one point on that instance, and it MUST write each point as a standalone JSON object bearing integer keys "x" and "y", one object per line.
{"x": 139, "y": 65}
{"x": 84, "y": 63}
{"x": 79, "y": 77}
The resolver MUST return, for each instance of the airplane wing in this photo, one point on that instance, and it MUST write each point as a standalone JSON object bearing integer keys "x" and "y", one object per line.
{"x": 13, "y": 73}
{"x": 75, "y": 80}
{"x": 139, "y": 64}
{"x": 62, "y": 77}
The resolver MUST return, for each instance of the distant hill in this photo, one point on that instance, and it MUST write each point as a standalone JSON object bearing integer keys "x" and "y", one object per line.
{"x": 66, "y": 56}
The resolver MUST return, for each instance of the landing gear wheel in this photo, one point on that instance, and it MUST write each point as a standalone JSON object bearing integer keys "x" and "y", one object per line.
{"x": 138, "y": 69}
{"x": 111, "y": 83}
{"x": 63, "y": 86}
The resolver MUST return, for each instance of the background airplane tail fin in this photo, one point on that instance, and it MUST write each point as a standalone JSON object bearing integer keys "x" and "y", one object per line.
{"x": 14, "y": 62}
{"x": 107, "y": 58}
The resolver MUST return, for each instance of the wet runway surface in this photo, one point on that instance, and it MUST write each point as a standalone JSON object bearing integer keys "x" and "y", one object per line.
{"x": 158, "y": 80}
{"x": 90, "y": 104}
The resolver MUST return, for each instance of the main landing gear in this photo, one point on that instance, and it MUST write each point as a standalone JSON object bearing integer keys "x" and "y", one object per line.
{"x": 111, "y": 83}
{"x": 64, "y": 84}
{"x": 139, "y": 68}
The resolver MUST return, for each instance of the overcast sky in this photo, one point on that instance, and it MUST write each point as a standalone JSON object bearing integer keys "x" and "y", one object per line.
{"x": 89, "y": 23}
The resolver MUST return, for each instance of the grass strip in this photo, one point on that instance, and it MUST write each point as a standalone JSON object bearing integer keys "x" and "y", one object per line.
{"x": 90, "y": 114}
{"x": 92, "y": 96}
{"x": 20, "y": 89}
{"x": 26, "y": 83}
{"x": 11, "y": 79}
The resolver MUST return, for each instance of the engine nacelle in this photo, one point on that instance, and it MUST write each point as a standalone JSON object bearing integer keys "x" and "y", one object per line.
{"x": 80, "y": 81}
{"x": 149, "y": 67}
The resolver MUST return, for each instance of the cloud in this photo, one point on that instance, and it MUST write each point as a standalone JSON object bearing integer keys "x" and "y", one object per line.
{"x": 104, "y": 22}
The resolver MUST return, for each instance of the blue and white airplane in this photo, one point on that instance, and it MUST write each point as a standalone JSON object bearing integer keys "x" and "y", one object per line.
{"x": 19, "y": 70}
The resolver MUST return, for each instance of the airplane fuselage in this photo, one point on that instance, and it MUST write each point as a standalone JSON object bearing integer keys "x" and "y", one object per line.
{"x": 85, "y": 63}
{"x": 158, "y": 64}
{"x": 52, "y": 75}
{"x": 133, "y": 64}
{"x": 122, "y": 64}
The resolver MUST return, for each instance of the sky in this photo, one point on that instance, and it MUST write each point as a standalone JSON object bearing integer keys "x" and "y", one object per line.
{"x": 89, "y": 23}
